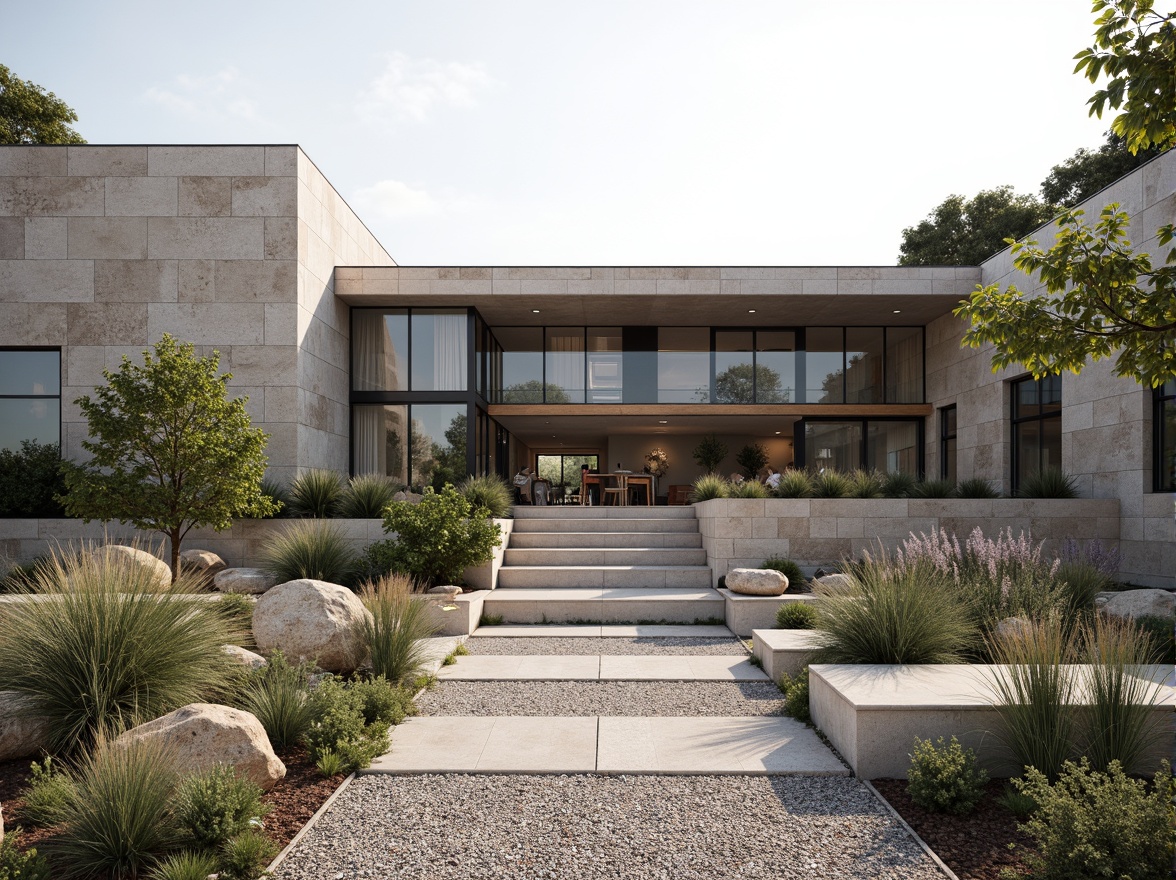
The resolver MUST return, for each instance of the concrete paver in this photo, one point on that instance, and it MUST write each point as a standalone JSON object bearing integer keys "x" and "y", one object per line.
{"x": 679, "y": 668}
{"x": 522, "y": 667}
{"x": 588, "y": 667}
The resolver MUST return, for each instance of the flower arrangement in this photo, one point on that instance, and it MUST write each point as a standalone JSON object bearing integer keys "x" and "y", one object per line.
{"x": 658, "y": 461}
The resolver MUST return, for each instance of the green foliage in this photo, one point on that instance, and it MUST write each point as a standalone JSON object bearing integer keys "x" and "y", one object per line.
{"x": 330, "y": 764}
{"x": 1161, "y": 631}
{"x": 709, "y": 453}
{"x": 278, "y": 695}
{"x": 396, "y": 632}
{"x": 246, "y": 855}
{"x": 170, "y": 451}
{"x": 976, "y": 488}
{"x": 867, "y": 484}
{"x": 794, "y": 484}
{"x": 747, "y": 489}
{"x": 786, "y": 567}
{"x": 753, "y": 458}
{"x": 17, "y": 865}
{"x": 490, "y": 620}
{"x": 47, "y": 796}
{"x": 31, "y": 115}
{"x": 312, "y": 548}
{"x": 1078, "y": 585}
{"x": 898, "y": 484}
{"x": 830, "y": 484}
{"x": 1017, "y": 802}
{"x": 796, "y": 695}
{"x": 440, "y": 536}
{"x": 237, "y": 609}
{"x": 1048, "y": 483}
{"x": 944, "y": 777}
{"x": 932, "y": 489}
{"x": 1135, "y": 47}
{"x": 342, "y": 727}
{"x": 215, "y": 806}
{"x": 966, "y": 232}
{"x": 1091, "y": 825}
{"x": 185, "y": 866}
{"x": 1098, "y": 298}
{"x": 1088, "y": 171}
{"x": 531, "y": 391}
{"x": 113, "y": 649}
{"x": 278, "y": 496}
{"x": 707, "y": 487}
{"x": 893, "y": 614}
{"x": 738, "y": 384}
{"x": 315, "y": 493}
{"x": 796, "y": 615}
{"x": 30, "y": 480}
{"x": 122, "y": 818}
{"x": 490, "y": 492}
{"x": 367, "y": 495}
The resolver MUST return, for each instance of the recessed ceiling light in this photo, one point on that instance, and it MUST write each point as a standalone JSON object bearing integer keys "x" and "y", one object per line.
{"x": 898, "y": 311}
{"x": 751, "y": 311}
{"x": 534, "y": 311}
{"x": 662, "y": 421}
{"x": 777, "y": 433}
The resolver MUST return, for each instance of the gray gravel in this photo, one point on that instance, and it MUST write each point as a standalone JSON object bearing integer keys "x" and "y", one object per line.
{"x": 587, "y": 698}
{"x": 679, "y": 827}
{"x": 677, "y": 645}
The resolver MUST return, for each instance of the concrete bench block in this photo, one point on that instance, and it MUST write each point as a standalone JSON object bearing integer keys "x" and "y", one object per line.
{"x": 747, "y": 613}
{"x": 783, "y": 650}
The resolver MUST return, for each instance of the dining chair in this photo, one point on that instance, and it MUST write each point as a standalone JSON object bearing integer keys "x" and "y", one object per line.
{"x": 618, "y": 491}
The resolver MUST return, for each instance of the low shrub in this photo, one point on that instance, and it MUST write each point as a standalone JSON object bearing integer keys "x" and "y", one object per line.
{"x": 48, "y": 795}
{"x": 707, "y": 487}
{"x": 796, "y": 615}
{"x": 976, "y": 488}
{"x": 278, "y": 695}
{"x": 786, "y": 567}
{"x": 367, "y": 495}
{"x": 113, "y": 650}
{"x": 382, "y": 702}
{"x": 246, "y": 855}
{"x": 1079, "y": 583}
{"x": 185, "y": 866}
{"x": 753, "y": 458}
{"x": 440, "y": 536}
{"x": 796, "y": 695}
{"x": 932, "y": 489}
{"x": 866, "y": 484}
{"x": 1048, "y": 483}
{"x": 898, "y": 484}
{"x": 944, "y": 777}
{"x": 748, "y": 489}
{"x": 278, "y": 494}
{"x": 794, "y": 484}
{"x": 1016, "y": 802}
{"x": 1091, "y": 825}
{"x": 490, "y": 492}
{"x": 1161, "y": 631}
{"x": 315, "y": 493}
{"x": 330, "y": 764}
{"x": 396, "y": 631}
{"x": 830, "y": 484}
{"x": 31, "y": 480}
{"x": 214, "y": 807}
{"x": 340, "y": 727}
{"x": 312, "y": 548}
{"x": 18, "y": 865}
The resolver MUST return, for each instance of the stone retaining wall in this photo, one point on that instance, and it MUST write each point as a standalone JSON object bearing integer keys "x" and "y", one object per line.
{"x": 739, "y": 532}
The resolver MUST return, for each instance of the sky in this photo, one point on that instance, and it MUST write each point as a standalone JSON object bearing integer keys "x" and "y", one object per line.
{"x": 603, "y": 133}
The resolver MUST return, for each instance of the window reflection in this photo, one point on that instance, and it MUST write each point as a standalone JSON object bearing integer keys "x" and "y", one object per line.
{"x": 683, "y": 365}
{"x": 30, "y": 397}
{"x": 824, "y": 365}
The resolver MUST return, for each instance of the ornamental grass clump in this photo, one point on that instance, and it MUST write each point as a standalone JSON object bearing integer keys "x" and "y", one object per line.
{"x": 1048, "y": 483}
{"x": 366, "y": 496}
{"x": 489, "y": 492}
{"x": 748, "y": 489}
{"x": 396, "y": 631}
{"x": 898, "y": 484}
{"x": 786, "y": 567}
{"x": 830, "y": 484}
{"x": 112, "y": 648}
{"x": 945, "y": 777}
{"x": 932, "y": 489}
{"x": 278, "y": 695}
{"x": 315, "y": 493}
{"x": 866, "y": 484}
{"x": 707, "y": 487}
{"x": 314, "y": 548}
{"x": 796, "y": 615}
{"x": 976, "y": 487}
{"x": 794, "y": 484}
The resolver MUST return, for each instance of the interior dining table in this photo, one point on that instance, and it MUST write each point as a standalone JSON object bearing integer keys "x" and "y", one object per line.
{"x": 627, "y": 481}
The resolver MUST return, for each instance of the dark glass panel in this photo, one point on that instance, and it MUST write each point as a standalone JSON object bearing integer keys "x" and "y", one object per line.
{"x": 605, "y": 365}
{"x": 835, "y": 445}
{"x": 904, "y": 364}
{"x": 683, "y": 365}
{"x": 440, "y": 360}
{"x": 734, "y": 353}
{"x": 379, "y": 350}
{"x": 379, "y": 441}
{"x": 893, "y": 447}
{"x": 438, "y": 444}
{"x": 863, "y": 365}
{"x": 824, "y": 365}
{"x": 775, "y": 366}
{"x": 565, "y": 365}
{"x": 521, "y": 375}
{"x": 25, "y": 418}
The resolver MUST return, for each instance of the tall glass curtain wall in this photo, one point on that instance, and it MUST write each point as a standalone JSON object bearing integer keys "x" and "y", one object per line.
{"x": 856, "y": 365}
{"x": 30, "y": 397}
{"x": 887, "y": 445}
{"x": 1165, "y": 440}
{"x": 1037, "y": 426}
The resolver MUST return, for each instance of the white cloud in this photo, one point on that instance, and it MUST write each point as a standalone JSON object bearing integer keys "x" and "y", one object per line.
{"x": 396, "y": 200}
{"x": 409, "y": 89}
{"x": 216, "y": 95}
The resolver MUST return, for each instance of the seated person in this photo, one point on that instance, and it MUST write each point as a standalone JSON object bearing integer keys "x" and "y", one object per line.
{"x": 773, "y": 480}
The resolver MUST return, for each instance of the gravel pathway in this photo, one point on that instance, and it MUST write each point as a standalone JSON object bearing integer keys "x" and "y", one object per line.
{"x": 679, "y": 827}
{"x": 677, "y": 645}
{"x": 587, "y": 698}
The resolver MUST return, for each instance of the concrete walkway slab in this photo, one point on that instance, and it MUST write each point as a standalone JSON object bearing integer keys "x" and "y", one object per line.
{"x": 539, "y": 630}
{"x": 611, "y": 631}
{"x": 679, "y": 668}
{"x": 748, "y": 746}
{"x": 522, "y": 667}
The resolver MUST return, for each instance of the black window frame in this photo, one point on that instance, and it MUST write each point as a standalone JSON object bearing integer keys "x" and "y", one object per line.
{"x": 799, "y": 442}
{"x": 1164, "y": 398}
{"x": 1016, "y": 421}
{"x": 947, "y": 436}
{"x": 57, "y": 396}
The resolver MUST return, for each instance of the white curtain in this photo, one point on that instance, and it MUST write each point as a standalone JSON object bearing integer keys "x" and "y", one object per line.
{"x": 905, "y": 365}
{"x": 449, "y": 352}
{"x": 368, "y": 440}
{"x": 375, "y": 358}
{"x": 565, "y": 365}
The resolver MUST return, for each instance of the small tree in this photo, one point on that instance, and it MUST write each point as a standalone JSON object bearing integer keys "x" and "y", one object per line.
{"x": 170, "y": 451}
{"x": 710, "y": 453}
{"x": 753, "y": 458}
{"x": 30, "y": 115}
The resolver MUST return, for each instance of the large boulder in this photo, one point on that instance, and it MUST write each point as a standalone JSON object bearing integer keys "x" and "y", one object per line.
{"x": 1131, "y": 604}
{"x": 205, "y": 564}
{"x": 757, "y": 581}
{"x": 252, "y": 581}
{"x": 244, "y": 656}
{"x": 312, "y": 620}
{"x": 202, "y": 735}
{"x": 833, "y": 583}
{"x": 21, "y": 734}
{"x": 151, "y": 565}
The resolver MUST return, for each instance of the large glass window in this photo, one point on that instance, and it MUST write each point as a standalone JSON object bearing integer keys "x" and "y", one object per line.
{"x": 418, "y": 445}
{"x": 863, "y": 364}
{"x": 775, "y": 366}
{"x": 379, "y": 441}
{"x": 520, "y": 378}
{"x": 836, "y": 445}
{"x": 947, "y": 443}
{"x": 824, "y": 365}
{"x": 605, "y": 365}
{"x": 904, "y": 364}
{"x": 1037, "y": 426}
{"x": 888, "y": 445}
{"x": 892, "y": 447}
{"x": 683, "y": 365}
{"x": 734, "y": 365}
{"x": 409, "y": 350}
{"x": 30, "y": 397}
{"x": 379, "y": 350}
{"x": 565, "y": 365}
{"x": 439, "y": 353}
{"x": 1165, "y": 445}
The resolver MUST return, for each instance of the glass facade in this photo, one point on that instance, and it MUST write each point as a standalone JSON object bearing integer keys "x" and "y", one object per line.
{"x": 1037, "y": 426}
{"x": 947, "y": 443}
{"x": 1165, "y": 438}
{"x": 887, "y": 445}
{"x": 30, "y": 397}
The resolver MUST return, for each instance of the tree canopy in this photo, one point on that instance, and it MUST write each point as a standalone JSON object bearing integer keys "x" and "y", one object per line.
{"x": 737, "y": 385}
{"x": 1088, "y": 171}
{"x": 965, "y": 232}
{"x": 170, "y": 451}
{"x": 31, "y": 115}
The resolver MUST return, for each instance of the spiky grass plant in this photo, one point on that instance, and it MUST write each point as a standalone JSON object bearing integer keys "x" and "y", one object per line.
{"x": 1079, "y": 583}
{"x": 396, "y": 631}
{"x": 280, "y": 495}
{"x": 185, "y": 866}
{"x": 892, "y": 614}
{"x": 1034, "y": 687}
{"x": 786, "y": 567}
{"x": 1048, "y": 483}
{"x": 707, "y": 487}
{"x": 830, "y": 484}
{"x": 112, "y": 648}
{"x": 897, "y": 484}
{"x": 491, "y": 492}
{"x": 748, "y": 489}
{"x": 794, "y": 484}
{"x": 866, "y": 484}
{"x": 932, "y": 489}
{"x": 1122, "y": 724}
{"x": 367, "y": 495}
{"x": 121, "y": 822}
{"x": 976, "y": 488}
{"x": 277, "y": 695}
{"x": 315, "y": 493}
{"x": 312, "y": 548}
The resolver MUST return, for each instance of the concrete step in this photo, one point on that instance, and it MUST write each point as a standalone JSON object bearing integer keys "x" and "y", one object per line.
{"x": 539, "y": 540}
{"x": 577, "y": 524}
{"x": 582, "y": 556}
{"x": 588, "y": 576}
{"x": 547, "y": 606}
{"x": 575, "y": 511}
{"x": 604, "y": 667}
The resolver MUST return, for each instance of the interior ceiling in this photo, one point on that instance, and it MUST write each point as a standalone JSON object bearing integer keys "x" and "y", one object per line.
{"x": 688, "y": 310}
{"x": 574, "y": 432}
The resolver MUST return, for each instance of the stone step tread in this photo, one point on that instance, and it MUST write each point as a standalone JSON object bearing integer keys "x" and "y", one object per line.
{"x": 597, "y": 631}
{"x": 602, "y": 567}
{"x": 677, "y": 526}
{"x": 620, "y": 511}
{"x": 637, "y": 537}
{"x": 661, "y": 557}
{"x": 507, "y": 594}
{"x": 605, "y": 667}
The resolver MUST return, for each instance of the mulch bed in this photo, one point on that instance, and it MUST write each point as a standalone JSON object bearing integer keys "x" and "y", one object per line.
{"x": 293, "y": 800}
{"x": 975, "y": 846}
